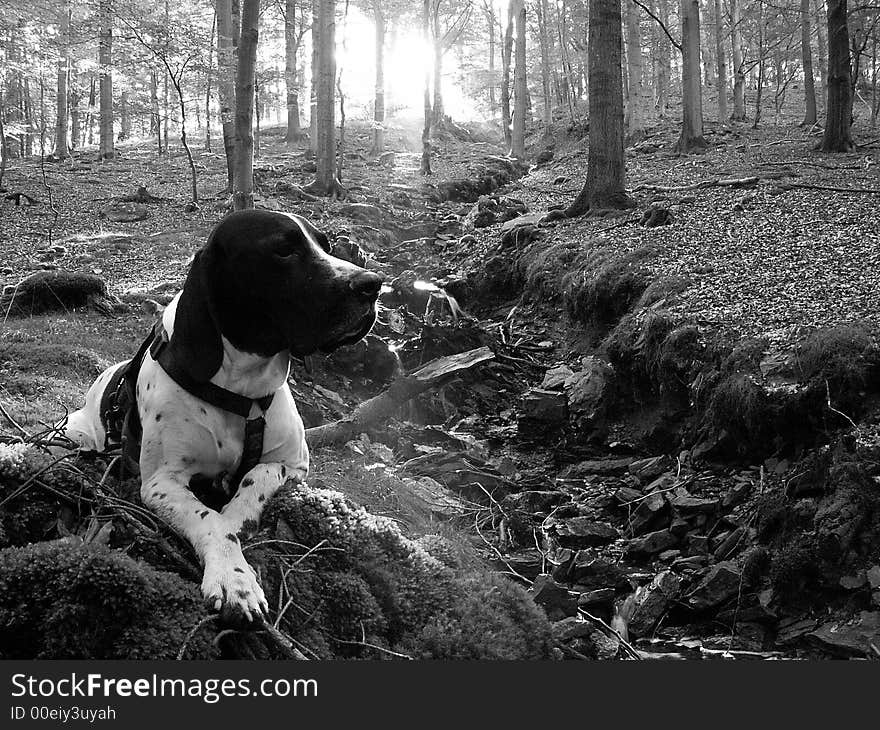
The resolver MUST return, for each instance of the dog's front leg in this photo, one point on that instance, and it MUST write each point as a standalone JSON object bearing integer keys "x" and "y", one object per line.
{"x": 229, "y": 583}
{"x": 242, "y": 513}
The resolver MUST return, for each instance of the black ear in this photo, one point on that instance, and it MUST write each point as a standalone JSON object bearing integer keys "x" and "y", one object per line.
{"x": 319, "y": 236}
{"x": 196, "y": 345}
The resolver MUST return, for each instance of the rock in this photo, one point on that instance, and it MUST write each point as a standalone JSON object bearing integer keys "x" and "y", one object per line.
{"x": 860, "y": 636}
{"x": 651, "y": 544}
{"x": 627, "y": 495}
{"x": 528, "y": 219}
{"x": 364, "y": 213}
{"x": 686, "y": 503}
{"x": 590, "y": 572}
{"x": 604, "y": 645}
{"x": 570, "y": 628}
{"x": 649, "y": 513}
{"x": 544, "y": 156}
{"x": 854, "y": 582}
{"x": 56, "y": 291}
{"x": 587, "y": 391}
{"x": 721, "y": 582}
{"x": 737, "y": 494}
{"x": 556, "y": 600}
{"x": 119, "y": 212}
{"x": 873, "y": 576}
{"x": 529, "y": 565}
{"x": 600, "y": 597}
{"x": 648, "y": 469}
{"x": 697, "y": 545}
{"x": 541, "y": 411}
{"x": 583, "y": 532}
{"x": 651, "y": 602}
{"x": 599, "y": 467}
{"x": 731, "y": 545}
{"x": 533, "y": 501}
{"x": 555, "y": 377}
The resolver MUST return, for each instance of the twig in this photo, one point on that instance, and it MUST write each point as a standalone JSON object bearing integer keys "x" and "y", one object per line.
{"x": 192, "y": 632}
{"x": 623, "y": 642}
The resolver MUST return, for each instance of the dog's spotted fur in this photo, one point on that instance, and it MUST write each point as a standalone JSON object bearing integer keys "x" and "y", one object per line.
{"x": 264, "y": 287}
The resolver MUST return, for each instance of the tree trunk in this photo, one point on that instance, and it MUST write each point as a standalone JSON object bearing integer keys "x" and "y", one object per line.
{"x": 325, "y": 134}
{"x": 291, "y": 47}
{"x": 807, "y": 56}
{"x": 518, "y": 131}
{"x": 543, "y": 36}
{"x": 664, "y": 53}
{"x": 739, "y": 77}
{"x": 720, "y": 62}
{"x": 105, "y": 63}
{"x": 708, "y": 50}
{"x": 74, "y": 97}
{"x": 506, "y": 53}
{"x": 226, "y": 43}
{"x": 691, "y": 100}
{"x": 426, "y": 126}
{"x": 759, "y": 91}
{"x": 604, "y": 186}
{"x": 208, "y": 85}
{"x": 636, "y": 113}
{"x": 243, "y": 179}
{"x": 90, "y": 115}
{"x": 838, "y": 117}
{"x": 124, "y": 116}
{"x": 61, "y": 144}
{"x": 490, "y": 22}
{"x": 313, "y": 91}
{"x": 438, "y": 67}
{"x": 379, "y": 97}
{"x": 822, "y": 46}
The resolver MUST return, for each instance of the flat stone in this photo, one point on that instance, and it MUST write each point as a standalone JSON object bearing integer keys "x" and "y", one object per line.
{"x": 651, "y": 468}
{"x": 652, "y": 543}
{"x": 731, "y": 545}
{"x": 855, "y": 637}
{"x": 529, "y": 219}
{"x": 597, "y": 597}
{"x": 596, "y": 573}
{"x": 598, "y": 467}
{"x": 583, "y": 532}
{"x": 555, "y": 377}
{"x": 546, "y": 406}
{"x": 570, "y": 628}
{"x": 556, "y": 600}
{"x": 721, "y": 582}
{"x": 688, "y": 504}
{"x": 652, "y": 601}
{"x": 649, "y": 512}
{"x": 532, "y": 501}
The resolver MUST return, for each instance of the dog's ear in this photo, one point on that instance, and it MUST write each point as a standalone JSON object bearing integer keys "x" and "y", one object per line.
{"x": 196, "y": 345}
{"x": 319, "y": 236}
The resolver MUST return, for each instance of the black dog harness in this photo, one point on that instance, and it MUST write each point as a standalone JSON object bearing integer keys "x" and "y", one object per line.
{"x": 122, "y": 423}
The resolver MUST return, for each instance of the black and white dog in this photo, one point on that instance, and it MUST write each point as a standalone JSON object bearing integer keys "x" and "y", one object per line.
{"x": 263, "y": 288}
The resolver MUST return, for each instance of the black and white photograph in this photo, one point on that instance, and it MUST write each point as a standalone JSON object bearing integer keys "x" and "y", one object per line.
{"x": 487, "y": 330}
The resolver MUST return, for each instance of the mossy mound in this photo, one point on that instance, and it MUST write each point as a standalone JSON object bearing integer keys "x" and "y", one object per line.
{"x": 341, "y": 583}
{"x": 56, "y": 291}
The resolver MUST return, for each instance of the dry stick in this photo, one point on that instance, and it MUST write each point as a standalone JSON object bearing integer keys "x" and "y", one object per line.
{"x": 500, "y": 556}
{"x": 192, "y": 632}
{"x": 11, "y": 420}
{"x": 810, "y": 186}
{"x": 623, "y": 642}
{"x": 834, "y": 410}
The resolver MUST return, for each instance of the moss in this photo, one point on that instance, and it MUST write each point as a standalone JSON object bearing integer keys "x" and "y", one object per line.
{"x": 740, "y": 407}
{"x": 662, "y": 289}
{"x": 600, "y": 292}
{"x": 64, "y": 599}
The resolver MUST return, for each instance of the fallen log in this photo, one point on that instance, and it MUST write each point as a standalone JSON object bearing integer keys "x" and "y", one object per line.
{"x": 431, "y": 375}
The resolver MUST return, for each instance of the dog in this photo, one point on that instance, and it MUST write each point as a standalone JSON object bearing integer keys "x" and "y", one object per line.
{"x": 210, "y": 387}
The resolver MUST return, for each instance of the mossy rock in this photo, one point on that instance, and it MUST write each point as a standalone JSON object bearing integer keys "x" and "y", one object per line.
{"x": 56, "y": 291}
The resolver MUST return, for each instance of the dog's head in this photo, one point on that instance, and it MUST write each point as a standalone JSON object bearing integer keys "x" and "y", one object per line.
{"x": 267, "y": 282}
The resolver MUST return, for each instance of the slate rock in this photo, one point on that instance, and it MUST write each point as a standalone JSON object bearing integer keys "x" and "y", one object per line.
{"x": 544, "y": 406}
{"x": 652, "y": 543}
{"x": 597, "y": 598}
{"x": 856, "y": 637}
{"x": 585, "y": 570}
{"x": 532, "y": 501}
{"x": 649, "y": 514}
{"x": 688, "y": 504}
{"x": 648, "y": 469}
{"x": 570, "y": 628}
{"x": 598, "y": 467}
{"x": 731, "y": 545}
{"x": 556, "y": 600}
{"x": 555, "y": 377}
{"x": 583, "y": 532}
{"x": 588, "y": 389}
{"x": 720, "y": 583}
{"x": 651, "y": 602}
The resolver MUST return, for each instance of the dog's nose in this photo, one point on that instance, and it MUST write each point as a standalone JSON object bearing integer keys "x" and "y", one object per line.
{"x": 366, "y": 284}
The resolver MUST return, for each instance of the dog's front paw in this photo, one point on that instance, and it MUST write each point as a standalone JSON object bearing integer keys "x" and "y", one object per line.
{"x": 230, "y": 586}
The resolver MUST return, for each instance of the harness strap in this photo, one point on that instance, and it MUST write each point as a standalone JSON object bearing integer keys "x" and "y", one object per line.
{"x": 220, "y": 397}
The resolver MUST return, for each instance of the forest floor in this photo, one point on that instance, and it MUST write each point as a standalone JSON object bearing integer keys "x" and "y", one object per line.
{"x": 656, "y": 449}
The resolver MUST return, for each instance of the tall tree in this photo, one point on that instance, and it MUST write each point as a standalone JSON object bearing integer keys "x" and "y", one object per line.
{"x": 226, "y": 41}
{"x": 292, "y": 38}
{"x": 379, "y": 94}
{"x": 664, "y": 54}
{"x": 691, "y": 137}
{"x": 604, "y": 186}
{"x": 426, "y": 126}
{"x": 637, "y": 100}
{"x": 544, "y": 40}
{"x": 807, "y": 56}
{"x": 838, "y": 117}
{"x": 506, "y": 54}
{"x": 325, "y": 182}
{"x": 61, "y": 86}
{"x": 105, "y": 63}
{"x": 739, "y": 73}
{"x": 721, "y": 62}
{"x": 520, "y": 91}
{"x": 243, "y": 179}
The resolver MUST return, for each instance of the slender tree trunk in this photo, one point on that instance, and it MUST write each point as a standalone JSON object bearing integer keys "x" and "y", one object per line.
{"x": 90, "y": 115}
{"x": 313, "y": 91}
{"x": 636, "y": 113}
{"x": 291, "y": 48}
{"x": 426, "y": 127}
{"x": 838, "y": 117}
{"x": 379, "y": 97}
{"x": 720, "y": 62}
{"x": 518, "y": 131}
{"x": 124, "y": 116}
{"x": 822, "y": 47}
{"x": 506, "y": 53}
{"x": 692, "y": 104}
{"x": 739, "y": 77}
{"x": 807, "y": 56}
{"x": 664, "y": 53}
{"x": 226, "y": 43}
{"x": 759, "y": 91}
{"x": 604, "y": 186}
{"x": 325, "y": 181}
{"x": 105, "y": 63}
{"x": 208, "y": 77}
{"x": 490, "y": 22}
{"x": 61, "y": 87}
{"x": 543, "y": 36}
{"x": 74, "y": 97}
{"x": 243, "y": 178}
